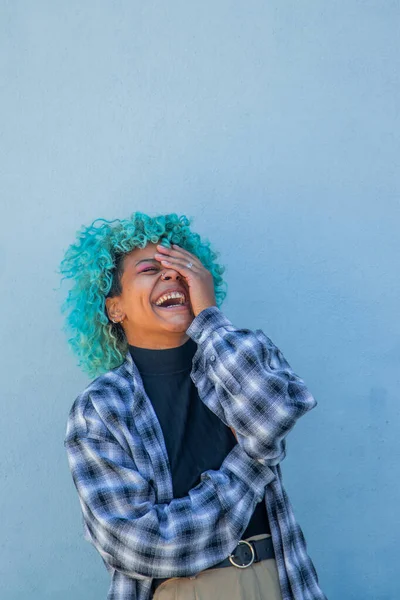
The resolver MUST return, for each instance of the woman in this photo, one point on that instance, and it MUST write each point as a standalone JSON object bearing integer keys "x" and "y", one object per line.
{"x": 174, "y": 447}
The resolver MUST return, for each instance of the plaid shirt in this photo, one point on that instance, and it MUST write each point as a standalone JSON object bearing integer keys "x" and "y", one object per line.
{"x": 120, "y": 466}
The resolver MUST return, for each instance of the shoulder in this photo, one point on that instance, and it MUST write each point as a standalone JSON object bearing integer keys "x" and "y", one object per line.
{"x": 98, "y": 400}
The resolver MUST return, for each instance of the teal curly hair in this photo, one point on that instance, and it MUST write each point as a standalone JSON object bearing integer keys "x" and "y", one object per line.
{"x": 94, "y": 263}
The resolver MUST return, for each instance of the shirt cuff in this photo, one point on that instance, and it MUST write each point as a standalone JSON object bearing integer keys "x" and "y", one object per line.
{"x": 207, "y": 321}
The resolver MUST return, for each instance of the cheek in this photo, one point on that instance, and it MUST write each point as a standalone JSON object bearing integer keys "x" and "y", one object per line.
{"x": 138, "y": 295}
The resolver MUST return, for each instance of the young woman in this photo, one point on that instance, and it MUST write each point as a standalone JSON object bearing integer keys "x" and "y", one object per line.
{"x": 175, "y": 446}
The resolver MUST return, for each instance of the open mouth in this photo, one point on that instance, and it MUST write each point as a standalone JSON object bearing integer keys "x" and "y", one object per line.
{"x": 173, "y": 301}
{"x": 175, "y": 307}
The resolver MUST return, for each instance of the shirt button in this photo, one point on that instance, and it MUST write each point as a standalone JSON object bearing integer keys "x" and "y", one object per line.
{"x": 212, "y": 357}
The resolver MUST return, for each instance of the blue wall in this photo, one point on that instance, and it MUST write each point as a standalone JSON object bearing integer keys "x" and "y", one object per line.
{"x": 275, "y": 125}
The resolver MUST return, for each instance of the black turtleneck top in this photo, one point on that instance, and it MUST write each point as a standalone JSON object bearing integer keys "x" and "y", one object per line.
{"x": 195, "y": 438}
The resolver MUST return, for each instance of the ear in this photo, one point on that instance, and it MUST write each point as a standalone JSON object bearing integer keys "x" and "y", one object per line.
{"x": 114, "y": 309}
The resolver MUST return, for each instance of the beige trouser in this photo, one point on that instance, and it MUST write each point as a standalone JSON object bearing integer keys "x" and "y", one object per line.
{"x": 258, "y": 582}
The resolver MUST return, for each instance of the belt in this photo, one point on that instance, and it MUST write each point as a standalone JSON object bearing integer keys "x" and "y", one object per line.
{"x": 245, "y": 554}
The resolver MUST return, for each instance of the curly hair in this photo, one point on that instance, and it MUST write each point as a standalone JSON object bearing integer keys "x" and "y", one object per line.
{"x": 95, "y": 265}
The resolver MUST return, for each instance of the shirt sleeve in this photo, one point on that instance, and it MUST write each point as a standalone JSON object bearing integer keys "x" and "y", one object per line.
{"x": 245, "y": 380}
{"x": 140, "y": 537}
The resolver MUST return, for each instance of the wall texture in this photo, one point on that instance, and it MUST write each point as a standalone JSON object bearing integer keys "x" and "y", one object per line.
{"x": 276, "y": 126}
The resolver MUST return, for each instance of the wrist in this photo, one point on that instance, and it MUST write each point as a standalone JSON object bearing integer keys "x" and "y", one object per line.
{"x": 198, "y": 309}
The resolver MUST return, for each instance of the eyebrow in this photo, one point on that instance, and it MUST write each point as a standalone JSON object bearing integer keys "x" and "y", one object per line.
{"x": 147, "y": 260}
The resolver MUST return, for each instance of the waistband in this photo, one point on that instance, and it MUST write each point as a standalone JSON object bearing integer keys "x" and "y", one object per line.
{"x": 245, "y": 554}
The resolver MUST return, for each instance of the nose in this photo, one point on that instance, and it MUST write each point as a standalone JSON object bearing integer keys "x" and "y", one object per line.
{"x": 170, "y": 274}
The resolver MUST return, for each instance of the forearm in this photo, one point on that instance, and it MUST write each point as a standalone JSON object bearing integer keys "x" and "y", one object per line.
{"x": 141, "y": 538}
{"x": 244, "y": 378}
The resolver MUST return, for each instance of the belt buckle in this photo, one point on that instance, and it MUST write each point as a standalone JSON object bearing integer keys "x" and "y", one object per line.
{"x": 253, "y": 555}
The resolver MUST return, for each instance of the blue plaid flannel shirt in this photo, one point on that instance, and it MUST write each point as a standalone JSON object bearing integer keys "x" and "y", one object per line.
{"x": 119, "y": 464}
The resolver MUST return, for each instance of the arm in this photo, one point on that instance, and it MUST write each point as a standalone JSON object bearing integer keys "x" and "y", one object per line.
{"x": 254, "y": 390}
{"x": 142, "y": 538}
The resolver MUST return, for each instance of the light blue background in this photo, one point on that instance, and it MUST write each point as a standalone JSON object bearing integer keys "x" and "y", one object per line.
{"x": 275, "y": 125}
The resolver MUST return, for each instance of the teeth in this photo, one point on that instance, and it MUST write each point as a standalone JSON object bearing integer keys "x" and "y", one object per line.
{"x": 169, "y": 296}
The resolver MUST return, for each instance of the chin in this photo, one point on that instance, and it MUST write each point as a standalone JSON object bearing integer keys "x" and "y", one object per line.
{"x": 179, "y": 323}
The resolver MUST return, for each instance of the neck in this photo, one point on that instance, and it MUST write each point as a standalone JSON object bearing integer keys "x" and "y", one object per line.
{"x": 159, "y": 341}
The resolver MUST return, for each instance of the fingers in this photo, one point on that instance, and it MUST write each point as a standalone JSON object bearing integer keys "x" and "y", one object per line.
{"x": 176, "y": 263}
{"x": 179, "y": 254}
{"x": 185, "y": 252}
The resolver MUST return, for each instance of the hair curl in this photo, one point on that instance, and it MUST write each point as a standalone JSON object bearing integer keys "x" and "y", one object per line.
{"x": 95, "y": 265}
